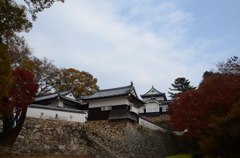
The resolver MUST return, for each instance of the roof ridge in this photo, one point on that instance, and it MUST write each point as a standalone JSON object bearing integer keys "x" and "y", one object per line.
{"x": 56, "y": 108}
{"x": 53, "y": 93}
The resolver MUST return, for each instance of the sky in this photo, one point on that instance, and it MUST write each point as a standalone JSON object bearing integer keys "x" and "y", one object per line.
{"x": 148, "y": 42}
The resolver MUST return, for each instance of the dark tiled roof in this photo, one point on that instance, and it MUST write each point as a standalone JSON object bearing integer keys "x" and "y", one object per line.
{"x": 55, "y": 108}
{"x": 72, "y": 100}
{"x": 159, "y": 101}
{"x": 51, "y": 96}
{"x": 159, "y": 93}
{"x": 120, "y": 91}
{"x": 165, "y": 101}
{"x": 149, "y": 95}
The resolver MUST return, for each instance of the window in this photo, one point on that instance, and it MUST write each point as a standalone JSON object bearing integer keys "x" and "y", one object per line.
{"x": 105, "y": 108}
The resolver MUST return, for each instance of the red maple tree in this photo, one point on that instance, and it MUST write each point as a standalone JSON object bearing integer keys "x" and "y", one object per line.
{"x": 194, "y": 109}
{"x": 204, "y": 111}
{"x": 13, "y": 107}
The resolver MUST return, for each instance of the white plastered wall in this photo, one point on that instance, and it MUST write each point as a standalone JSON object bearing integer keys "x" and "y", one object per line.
{"x": 70, "y": 95}
{"x": 57, "y": 103}
{"x": 164, "y": 108}
{"x": 141, "y": 109}
{"x": 133, "y": 109}
{"x": 51, "y": 114}
{"x": 152, "y": 107}
{"x": 108, "y": 102}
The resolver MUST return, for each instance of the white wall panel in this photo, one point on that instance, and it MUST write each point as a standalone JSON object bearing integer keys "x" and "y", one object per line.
{"x": 108, "y": 102}
{"x": 51, "y": 114}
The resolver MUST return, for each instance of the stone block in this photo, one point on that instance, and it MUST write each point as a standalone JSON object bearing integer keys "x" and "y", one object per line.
{"x": 37, "y": 126}
{"x": 76, "y": 133}
{"x": 46, "y": 146}
{"x": 21, "y": 137}
{"x": 35, "y": 130}
{"x": 107, "y": 126}
{"x": 62, "y": 140}
{"x": 38, "y": 133}
{"x": 34, "y": 137}
{"x": 61, "y": 147}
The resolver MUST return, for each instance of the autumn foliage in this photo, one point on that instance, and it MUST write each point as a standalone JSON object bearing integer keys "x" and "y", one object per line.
{"x": 205, "y": 111}
{"x": 82, "y": 83}
{"x": 13, "y": 107}
{"x": 24, "y": 89}
{"x": 223, "y": 136}
{"x": 5, "y": 70}
{"x": 193, "y": 109}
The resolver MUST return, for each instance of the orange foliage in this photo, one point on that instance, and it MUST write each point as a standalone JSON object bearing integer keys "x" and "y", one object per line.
{"x": 82, "y": 83}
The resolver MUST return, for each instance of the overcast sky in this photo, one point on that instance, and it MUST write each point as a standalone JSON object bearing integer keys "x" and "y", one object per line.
{"x": 149, "y": 42}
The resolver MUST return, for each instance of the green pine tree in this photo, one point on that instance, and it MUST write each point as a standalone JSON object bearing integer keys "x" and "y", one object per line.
{"x": 180, "y": 85}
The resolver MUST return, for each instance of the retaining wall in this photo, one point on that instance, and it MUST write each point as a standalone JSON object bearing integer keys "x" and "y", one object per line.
{"x": 129, "y": 139}
{"x": 98, "y": 139}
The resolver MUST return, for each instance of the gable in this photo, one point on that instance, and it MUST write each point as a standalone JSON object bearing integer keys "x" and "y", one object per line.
{"x": 153, "y": 91}
{"x": 133, "y": 92}
{"x": 70, "y": 95}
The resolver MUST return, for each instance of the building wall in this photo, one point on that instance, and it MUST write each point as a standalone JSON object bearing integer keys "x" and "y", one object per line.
{"x": 98, "y": 114}
{"x": 51, "y": 114}
{"x": 164, "y": 108}
{"x": 108, "y": 102}
{"x": 152, "y": 107}
{"x": 70, "y": 95}
{"x": 57, "y": 103}
{"x": 134, "y": 109}
{"x": 141, "y": 109}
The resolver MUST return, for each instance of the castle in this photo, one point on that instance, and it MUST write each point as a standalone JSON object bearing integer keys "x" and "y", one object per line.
{"x": 111, "y": 123}
{"x": 107, "y": 104}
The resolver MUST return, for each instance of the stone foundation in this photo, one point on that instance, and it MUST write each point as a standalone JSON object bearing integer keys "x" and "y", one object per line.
{"x": 51, "y": 137}
{"x": 162, "y": 120}
{"x": 97, "y": 139}
{"x": 129, "y": 139}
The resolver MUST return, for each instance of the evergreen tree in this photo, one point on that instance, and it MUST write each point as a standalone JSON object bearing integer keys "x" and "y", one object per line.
{"x": 207, "y": 74}
{"x": 180, "y": 85}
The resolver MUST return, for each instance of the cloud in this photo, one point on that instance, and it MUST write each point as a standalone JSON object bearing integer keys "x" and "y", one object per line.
{"x": 121, "y": 41}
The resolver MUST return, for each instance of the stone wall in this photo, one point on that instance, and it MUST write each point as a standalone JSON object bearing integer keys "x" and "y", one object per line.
{"x": 128, "y": 139}
{"x": 55, "y": 137}
{"x": 51, "y": 137}
{"x": 97, "y": 139}
{"x": 162, "y": 120}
